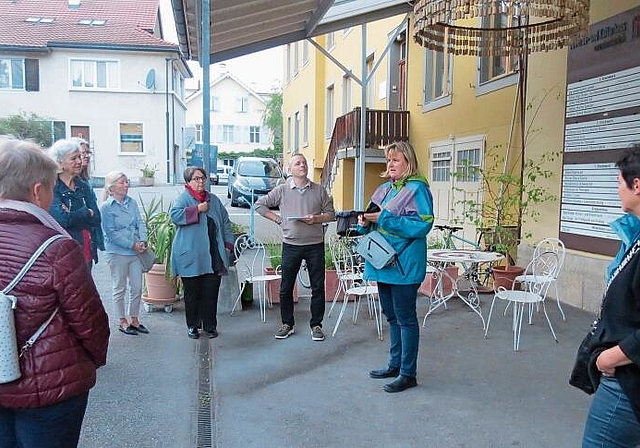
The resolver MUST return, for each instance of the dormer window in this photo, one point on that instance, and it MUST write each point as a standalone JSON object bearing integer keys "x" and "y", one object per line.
{"x": 92, "y": 22}
{"x": 39, "y": 20}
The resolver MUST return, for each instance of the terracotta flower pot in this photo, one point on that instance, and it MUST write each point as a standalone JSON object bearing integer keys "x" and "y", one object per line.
{"x": 273, "y": 287}
{"x": 430, "y": 282}
{"x": 330, "y": 284}
{"x": 160, "y": 291}
{"x": 505, "y": 276}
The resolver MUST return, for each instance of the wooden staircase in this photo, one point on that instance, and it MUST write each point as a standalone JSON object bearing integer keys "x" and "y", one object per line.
{"x": 382, "y": 127}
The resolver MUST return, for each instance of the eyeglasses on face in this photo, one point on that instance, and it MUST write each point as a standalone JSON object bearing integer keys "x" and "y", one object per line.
{"x": 198, "y": 178}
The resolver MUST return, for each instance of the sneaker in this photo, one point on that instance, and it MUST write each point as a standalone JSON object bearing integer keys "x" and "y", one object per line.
{"x": 284, "y": 331}
{"x": 317, "y": 334}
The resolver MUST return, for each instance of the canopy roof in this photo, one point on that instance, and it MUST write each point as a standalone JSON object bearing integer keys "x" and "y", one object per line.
{"x": 241, "y": 27}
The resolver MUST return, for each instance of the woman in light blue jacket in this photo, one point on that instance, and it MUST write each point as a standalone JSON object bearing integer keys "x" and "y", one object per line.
{"x": 401, "y": 209}
{"x": 200, "y": 251}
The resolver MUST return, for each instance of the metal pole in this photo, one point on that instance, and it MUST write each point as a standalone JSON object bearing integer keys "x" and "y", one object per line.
{"x": 358, "y": 202}
{"x": 206, "y": 94}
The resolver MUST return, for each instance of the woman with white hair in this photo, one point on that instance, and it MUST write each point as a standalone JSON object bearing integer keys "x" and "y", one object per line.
{"x": 74, "y": 204}
{"x": 125, "y": 237}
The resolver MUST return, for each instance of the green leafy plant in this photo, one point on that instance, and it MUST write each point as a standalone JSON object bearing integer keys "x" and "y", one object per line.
{"x": 237, "y": 229}
{"x": 328, "y": 258}
{"x": 509, "y": 198}
{"x": 148, "y": 171}
{"x": 160, "y": 231}
{"x": 274, "y": 251}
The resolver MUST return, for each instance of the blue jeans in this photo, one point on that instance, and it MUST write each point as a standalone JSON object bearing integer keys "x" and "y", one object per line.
{"x": 611, "y": 421}
{"x": 292, "y": 257}
{"x": 55, "y": 426}
{"x": 399, "y": 305}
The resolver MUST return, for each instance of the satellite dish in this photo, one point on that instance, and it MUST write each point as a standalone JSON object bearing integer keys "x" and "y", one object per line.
{"x": 150, "y": 83}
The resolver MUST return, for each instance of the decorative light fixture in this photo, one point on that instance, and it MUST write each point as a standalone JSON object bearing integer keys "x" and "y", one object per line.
{"x": 507, "y": 27}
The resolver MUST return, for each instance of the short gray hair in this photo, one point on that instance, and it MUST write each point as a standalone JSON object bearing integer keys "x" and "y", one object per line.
{"x": 23, "y": 164}
{"x": 188, "y": 173}
{"x": 110, "y": 180}
{"x": 61, "y": 148}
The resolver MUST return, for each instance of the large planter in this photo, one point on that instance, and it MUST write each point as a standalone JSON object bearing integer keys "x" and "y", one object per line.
{"x": 429, "y": 285}
{"x": 146, "y": 181}
{"x": 273, "y": 287}
{"x": 331, "y": 283}
{"x": 160, "y": 291}
{"x": 505, "y": 276}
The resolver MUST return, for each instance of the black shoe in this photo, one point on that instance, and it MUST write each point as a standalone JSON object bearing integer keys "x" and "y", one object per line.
{"x": 400, "y": 384}
{"x": 389, "y": 372}
{"x": 193, "y": 333}
{"x": 212, "y": 332}
{"x": 129, "y": 330}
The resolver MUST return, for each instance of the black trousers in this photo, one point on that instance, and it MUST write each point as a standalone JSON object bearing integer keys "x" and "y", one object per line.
{"x": 292, "y": 257}
{"x": 201, "y": 300}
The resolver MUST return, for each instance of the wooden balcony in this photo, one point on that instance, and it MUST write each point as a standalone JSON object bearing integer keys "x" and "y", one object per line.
{"x": 382, "y": 127}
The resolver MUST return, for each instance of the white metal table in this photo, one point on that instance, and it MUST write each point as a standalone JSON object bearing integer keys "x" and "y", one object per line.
{"x": 444, "y": 257}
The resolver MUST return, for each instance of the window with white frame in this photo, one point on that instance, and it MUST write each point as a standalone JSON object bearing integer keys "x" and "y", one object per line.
{"x": 437, "y": 76}
{"x": 198, "y": 133}
{"x": 242, "y": 104}
{"x": 305, "y": 52}
{"x": 12, "y": 73}
{"x": 331, "y": 40}
{"x": 305, "y": 125}
{"x": 329, "y": 120}
{"x": 468, "y": 164}
{"x": 287, "y": 53}
{"x": 296, "y": 132}
{"x": 94, "y": 74}
{"x": 289, "y": 134}
{"x": 254, "y": 134}
{"x": 441, "y": 165}
{"x": 495, "y": 66}
{"x": 215, "y": 104}
{"x": 131, "y": 138}
{"x": 296, "y": 57}
{"x": 346, "y": 94}
{"x": 227, "y": 133}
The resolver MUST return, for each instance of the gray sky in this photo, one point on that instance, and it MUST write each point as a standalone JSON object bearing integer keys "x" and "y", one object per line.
{"x": 261, "y": 70}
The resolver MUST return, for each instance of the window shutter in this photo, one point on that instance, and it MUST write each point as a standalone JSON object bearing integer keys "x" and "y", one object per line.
{"x": 32, "y": 70}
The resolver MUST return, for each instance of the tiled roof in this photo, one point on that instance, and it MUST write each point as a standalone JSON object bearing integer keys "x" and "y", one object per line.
{"x": 127, "y": 23}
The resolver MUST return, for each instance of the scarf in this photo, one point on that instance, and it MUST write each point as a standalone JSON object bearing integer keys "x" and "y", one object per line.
{"x": 43, "y": 216}
{"x": 200, "y": 197}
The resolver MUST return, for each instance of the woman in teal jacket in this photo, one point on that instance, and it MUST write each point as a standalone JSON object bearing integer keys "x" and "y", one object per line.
{"x": 401, "y": 209}
{"x": 200, "y": 251}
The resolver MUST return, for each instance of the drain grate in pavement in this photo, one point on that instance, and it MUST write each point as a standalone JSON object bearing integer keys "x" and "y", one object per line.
{"x": 205, "y": 437}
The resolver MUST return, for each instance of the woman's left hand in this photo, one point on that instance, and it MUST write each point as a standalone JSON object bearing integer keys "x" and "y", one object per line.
{"x": 609, "y": 359}
{"x": 372, "y": 217}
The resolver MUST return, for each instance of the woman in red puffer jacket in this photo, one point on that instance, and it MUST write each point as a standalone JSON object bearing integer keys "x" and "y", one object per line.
{"x": 45, "y": 406}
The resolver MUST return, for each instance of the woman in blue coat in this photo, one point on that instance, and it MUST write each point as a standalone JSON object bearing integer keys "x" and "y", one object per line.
{"x": 200, "y": 251}
{"x": 401, "y": 209}
{"x": 74, "y": 204}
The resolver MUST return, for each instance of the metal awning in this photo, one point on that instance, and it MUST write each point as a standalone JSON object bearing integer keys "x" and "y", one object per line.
{"x": 240, "y": 27}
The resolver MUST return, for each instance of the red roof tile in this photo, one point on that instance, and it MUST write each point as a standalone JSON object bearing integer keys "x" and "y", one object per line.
{"x": 128, "y": 23}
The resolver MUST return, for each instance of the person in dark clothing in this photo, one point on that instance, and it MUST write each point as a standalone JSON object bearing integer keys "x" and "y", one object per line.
{"x": 200, "y": 251}
{"x": 614, "y": 415}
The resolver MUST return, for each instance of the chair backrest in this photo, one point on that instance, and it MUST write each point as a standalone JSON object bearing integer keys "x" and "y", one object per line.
{"x": 544, "y": 266}
{"x": 251, "y": 256}
{"x": 344, "y": 260}
{"x": 551, "y": 245}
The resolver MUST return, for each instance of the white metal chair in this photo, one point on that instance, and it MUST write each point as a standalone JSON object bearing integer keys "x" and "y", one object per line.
{"x": 550, "y": 276}
{"x": 373, "y": 302}
{"x": 252, "y": 259}
{"x": 535, "y": 293}
{"x": 347, "y": 269}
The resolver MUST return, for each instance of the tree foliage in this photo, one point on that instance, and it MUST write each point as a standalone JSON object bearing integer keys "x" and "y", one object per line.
{"x": 272, "y": 118}
{"x": 27, "y": 127}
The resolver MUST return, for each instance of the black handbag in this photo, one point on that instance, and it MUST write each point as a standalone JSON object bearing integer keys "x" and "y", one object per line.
{"x": 585, "y": 375}
{"x": 346, "y": 222}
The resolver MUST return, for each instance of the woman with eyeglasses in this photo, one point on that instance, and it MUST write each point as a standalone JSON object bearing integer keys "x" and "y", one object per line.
{"x": 200, "y": 251}
{"x": 74, "y": 203}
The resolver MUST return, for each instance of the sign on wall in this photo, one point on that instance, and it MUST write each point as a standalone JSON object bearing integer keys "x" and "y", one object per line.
{"x": 602, "y": 118}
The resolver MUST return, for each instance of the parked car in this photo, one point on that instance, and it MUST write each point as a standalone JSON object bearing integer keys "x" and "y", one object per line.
{"x": 223, "y": 174}
{"x": 257, "y": 174}
{"x": 213, "y": 178}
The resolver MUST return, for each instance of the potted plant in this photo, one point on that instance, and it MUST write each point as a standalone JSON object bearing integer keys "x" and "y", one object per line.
{"x": 160, "y": 285}
{"x": 430, "y": 285}
{"x": 331, "y": 282}
{"x": 509, "y": 197}
{"x": 238, "y": 229}
{"x": 274, "y": 252}
{"x": 148, "y": 174}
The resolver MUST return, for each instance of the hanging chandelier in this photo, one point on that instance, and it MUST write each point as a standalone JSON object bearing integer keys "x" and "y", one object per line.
{"x": 507, "y": 27}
